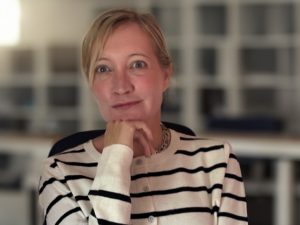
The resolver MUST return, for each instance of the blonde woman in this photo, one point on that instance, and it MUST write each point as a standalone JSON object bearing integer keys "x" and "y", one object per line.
{"x": 139, "y": 171}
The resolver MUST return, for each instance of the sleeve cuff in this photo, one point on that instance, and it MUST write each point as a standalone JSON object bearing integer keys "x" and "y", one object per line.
{"x": 116, "y": 160}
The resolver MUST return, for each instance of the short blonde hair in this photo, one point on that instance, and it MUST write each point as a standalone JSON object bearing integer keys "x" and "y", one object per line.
{"x": 100, "y": 30}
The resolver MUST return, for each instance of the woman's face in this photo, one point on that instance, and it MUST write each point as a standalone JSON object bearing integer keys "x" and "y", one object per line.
{"x": 129, "y": 81}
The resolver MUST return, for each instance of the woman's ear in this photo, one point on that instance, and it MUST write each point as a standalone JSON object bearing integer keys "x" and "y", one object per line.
{"x": 167, "y": 76}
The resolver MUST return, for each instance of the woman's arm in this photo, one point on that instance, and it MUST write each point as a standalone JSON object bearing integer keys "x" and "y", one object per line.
{"x": 233, "y": 205}
{"x": 108, "y": 194}
{"x": 108, "y": 200}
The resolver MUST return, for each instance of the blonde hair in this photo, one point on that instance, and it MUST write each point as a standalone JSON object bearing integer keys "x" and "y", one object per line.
{"x": 100, "y": 30}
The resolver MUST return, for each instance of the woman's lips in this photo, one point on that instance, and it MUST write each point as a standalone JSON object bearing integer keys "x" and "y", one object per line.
{"x": 125, "y": 105}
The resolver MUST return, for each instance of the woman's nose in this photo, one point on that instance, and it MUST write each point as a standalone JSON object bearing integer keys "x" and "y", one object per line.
{"x": 122, "y": 84}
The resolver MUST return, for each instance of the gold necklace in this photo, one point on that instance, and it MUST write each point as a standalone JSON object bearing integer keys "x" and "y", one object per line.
{"x": 165, "y": 138}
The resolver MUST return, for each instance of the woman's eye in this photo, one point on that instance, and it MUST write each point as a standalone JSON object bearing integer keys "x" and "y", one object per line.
{"x": 102, "y": 69}
{"x": 139, "y": 65}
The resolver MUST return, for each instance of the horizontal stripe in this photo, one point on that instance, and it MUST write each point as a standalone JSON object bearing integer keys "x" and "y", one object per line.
{"x": 179, "y": 170}
{"x": 81, "y": 198}
{"x": 56, "y": 200}
{"x": 112, "y": 195}
{"x": 67, "y": 178}
{"x": 176, "y": 190}
{"x": 70, "y": 212}
{"x": 50, "y": 181}
{"x": 215, "y": 209}
{"x": 172, "y": 212}
{"x": 93, "y": 164}
{"x": 202, "y": 149}
{"x": 233, "y": 216}
{"x": 106, "y": 222}
{"x": 233, "y": 176}
{"x": 235, "y": 197}
{"x": 191, "y": 138}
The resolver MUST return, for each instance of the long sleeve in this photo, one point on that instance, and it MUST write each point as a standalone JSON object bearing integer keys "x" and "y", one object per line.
{"x": 108, "y": 191}
{"x": 233, "y": 207}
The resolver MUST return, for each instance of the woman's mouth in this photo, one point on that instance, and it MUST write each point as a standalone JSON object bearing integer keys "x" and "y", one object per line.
{"x": 126, "y": 105}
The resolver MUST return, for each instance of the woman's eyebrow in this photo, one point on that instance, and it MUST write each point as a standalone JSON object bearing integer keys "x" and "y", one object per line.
{"x": 102, "y": 59}
{"x": 139, "y": 54}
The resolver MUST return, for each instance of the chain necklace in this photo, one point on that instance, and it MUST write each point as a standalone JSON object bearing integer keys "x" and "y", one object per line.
{"x": 165, "y": 139}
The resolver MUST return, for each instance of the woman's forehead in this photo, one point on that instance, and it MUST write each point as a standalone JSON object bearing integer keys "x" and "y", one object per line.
{"x": 128, "y": 36}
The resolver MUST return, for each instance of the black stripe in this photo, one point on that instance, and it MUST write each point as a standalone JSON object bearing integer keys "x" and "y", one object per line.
{"x": 67, "y": 178}
{"x": 53, "y": 165}
{"x": 192, "y": 138}
{"x": 109, "y": 194}
{"x": 233, "y": 176}
{"x": 73, "y": 151}
{"x": 215, "y": 209}
{"x": 51, "y": 180}
{"x": 179, "y": 170}
{"x": 56, "y": 200}
{"x": 238, "y": 198}
{"x": 106, "y": 222}
{"x": 233, "y": 216}
{"x": 203, "y": 149}
{"x": 67, "y": 214}
{"x": 172, "y": 212}
{"x": 81, "y": 198}
{"x": 176, "y": 190}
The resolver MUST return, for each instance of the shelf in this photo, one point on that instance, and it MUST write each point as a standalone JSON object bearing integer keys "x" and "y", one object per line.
{"x": 22, "y": 62}
{"x": 268, "y": 18}
{"x": 176, "y": 55}
{"x": 63, "y": 112}
{"x": 61, "y": 126}
{"x": 207, "y": 61}
{"x": 172, "y": 101}
{"x": 211, "y": 19}
{"x": 231, "y": 58}
{"x": 62, "y": 96}
{"x": 9, "y": 124}
{"x": 63, "y": 59}
{"x": 169, "y": 18}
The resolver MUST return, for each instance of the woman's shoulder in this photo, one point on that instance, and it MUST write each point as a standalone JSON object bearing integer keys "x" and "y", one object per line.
{"x": 192, "y": 145}
{"x": 73, "y": 161}
{"x": 79, "y": 153}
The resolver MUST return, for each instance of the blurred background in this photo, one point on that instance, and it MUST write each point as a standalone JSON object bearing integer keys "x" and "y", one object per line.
{"x": 236, "y": 77}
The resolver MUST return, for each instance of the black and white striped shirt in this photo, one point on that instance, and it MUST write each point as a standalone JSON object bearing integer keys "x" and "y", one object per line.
{"x": 194, "y": 181}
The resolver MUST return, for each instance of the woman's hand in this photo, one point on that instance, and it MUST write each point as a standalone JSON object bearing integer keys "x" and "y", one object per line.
{"x": 134, "y": 134}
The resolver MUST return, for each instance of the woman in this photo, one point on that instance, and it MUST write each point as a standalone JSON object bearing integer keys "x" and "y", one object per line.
{"x": 139, "y": 171}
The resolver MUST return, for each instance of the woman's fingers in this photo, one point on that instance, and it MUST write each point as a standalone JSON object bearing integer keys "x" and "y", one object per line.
{"x": 139, "y": 125}
{"x": 141, "y": 138}
{"x": 145, "y": 137}
{"x": 126, "y": 132}
{"x": 119, "y": 132}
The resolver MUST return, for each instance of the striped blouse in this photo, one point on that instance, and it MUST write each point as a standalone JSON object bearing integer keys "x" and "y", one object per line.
{"x": 194, "y": 182}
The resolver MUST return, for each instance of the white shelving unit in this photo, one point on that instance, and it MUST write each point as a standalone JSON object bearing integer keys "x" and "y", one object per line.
{"x": 233, "y": 60}
{"x": 236, "y": 69}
